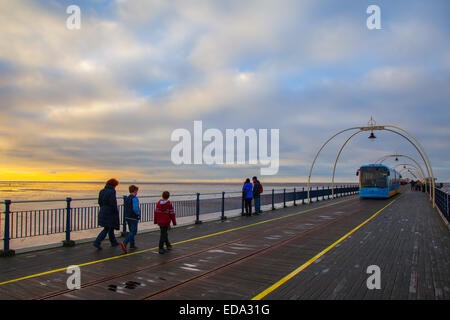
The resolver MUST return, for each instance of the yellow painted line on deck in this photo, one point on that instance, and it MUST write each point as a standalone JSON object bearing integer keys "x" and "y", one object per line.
{"x": 285, "y": 279}
{"x": 180, "y": 242}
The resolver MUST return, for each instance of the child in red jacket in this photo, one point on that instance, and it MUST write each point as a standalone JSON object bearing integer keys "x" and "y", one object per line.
{"x": 163, "y": 215}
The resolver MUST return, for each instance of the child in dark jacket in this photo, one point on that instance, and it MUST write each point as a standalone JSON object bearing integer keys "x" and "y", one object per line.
{"x": 163, "y": 215}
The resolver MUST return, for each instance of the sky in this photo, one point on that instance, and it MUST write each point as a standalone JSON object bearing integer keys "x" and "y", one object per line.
{"x": 103, "y": 100}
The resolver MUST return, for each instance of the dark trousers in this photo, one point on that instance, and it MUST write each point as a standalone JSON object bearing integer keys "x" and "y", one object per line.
{"x": 248, "y": 206}
{"x": 133, "y": 226}
{"x": 164, "y": 238}
{"x": 102, "y": 235}
{"x": 257, "y": 204}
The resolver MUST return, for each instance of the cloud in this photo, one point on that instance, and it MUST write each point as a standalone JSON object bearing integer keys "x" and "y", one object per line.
{"x": 108, "y": 96}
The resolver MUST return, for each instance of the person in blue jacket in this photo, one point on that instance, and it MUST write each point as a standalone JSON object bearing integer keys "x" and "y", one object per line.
{"x": 132, "y": 215}
{"x": 247, "y": 194}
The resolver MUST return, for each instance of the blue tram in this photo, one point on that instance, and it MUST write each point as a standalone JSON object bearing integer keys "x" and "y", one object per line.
{"x": 378, "y": 181}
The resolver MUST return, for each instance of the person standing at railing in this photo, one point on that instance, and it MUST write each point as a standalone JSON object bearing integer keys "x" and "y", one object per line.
{"x": 247, "y": 193}
{"x": 418, "y": 186}
{"x": 163, "y": 215}
{"x": 108, "y": 217}
{"x": 132, "y": 216}
{"x": 257, "y": 189}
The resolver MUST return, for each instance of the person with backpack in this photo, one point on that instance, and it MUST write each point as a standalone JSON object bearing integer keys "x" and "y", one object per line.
{"x": 257, "y": 190}
{"x": 163, "y": 215}
{"x": 108, "y": 216}
{"x": 132, "y": 216}
{"x": 247, "y": 194}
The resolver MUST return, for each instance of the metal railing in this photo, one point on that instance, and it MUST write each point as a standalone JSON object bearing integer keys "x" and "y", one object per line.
{"x": 31, "y": 223}
{"x": 442, "y": 202}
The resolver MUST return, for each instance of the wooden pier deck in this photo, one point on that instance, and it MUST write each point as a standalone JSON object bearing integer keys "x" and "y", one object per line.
{"x": 316, "y": 251}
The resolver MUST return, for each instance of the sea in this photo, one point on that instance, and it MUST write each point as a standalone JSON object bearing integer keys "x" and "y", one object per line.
{"x": 86, "y": 193}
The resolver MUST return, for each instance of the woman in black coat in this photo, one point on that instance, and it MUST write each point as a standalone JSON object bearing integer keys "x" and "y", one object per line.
{"x": 108, "y": 217}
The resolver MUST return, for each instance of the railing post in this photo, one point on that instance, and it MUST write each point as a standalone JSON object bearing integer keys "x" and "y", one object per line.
{"x": 6, "y": 252}
{"x": 317, "y": 189}
{"x": 284, "y": 198}
{"x": 68, "y": 242}
{"x": 124, "y": 220}
{"x": 197, "y": 208}
{"x": 295, "y": 197}
{"x": 223, "y": 207}
{"x": 273, "y": 199}
{"x": 303, "y": 199}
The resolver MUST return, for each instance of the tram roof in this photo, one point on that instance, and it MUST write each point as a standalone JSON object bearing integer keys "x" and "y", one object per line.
{"x": 375, "y": 165}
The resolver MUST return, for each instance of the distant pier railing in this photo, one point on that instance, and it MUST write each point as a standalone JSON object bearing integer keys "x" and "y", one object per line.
{"x": 19, "y": 224}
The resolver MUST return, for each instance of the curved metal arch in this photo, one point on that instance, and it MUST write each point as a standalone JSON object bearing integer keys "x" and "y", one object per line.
{"x": 422, "y": 179}
{"x": 372, "y": 128}
{"x": 415, "y": 170}
{"x": 410, "y": 172}
{"x": 380, "y": 160}
{"x": 337, "y": 157}
{"x": 400, "y": 134}
{"x": 430, "y": 173}
{"x": 425, "y": 154}
{"x": 317, "y": 154}
{"x": 404, "y": 156}
{"x": 411, "y": 169}
{"x": 397, "y": 155}
{"x": 409, "y": 166}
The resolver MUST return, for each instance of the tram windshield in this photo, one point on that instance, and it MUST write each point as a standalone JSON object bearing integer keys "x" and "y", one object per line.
{"x": 374, "y": 177}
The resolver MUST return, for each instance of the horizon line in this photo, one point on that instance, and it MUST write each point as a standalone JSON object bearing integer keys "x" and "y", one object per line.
{"x": 163, "y": 182}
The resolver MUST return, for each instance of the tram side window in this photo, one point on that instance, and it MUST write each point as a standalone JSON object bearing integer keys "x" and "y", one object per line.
{"x": 373, "y": 177}
{"x": 394, "y": 178}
